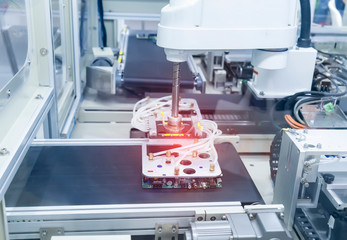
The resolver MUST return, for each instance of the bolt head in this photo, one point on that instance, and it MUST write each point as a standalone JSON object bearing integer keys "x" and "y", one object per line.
{"x": 174, "y": 229}
{"x": 38, "y": 96}
{"x": 43, "y": 51}
{"x": 4, "y": 151}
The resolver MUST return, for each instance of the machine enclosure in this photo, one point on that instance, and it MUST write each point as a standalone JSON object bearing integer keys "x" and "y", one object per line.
{"x": 295, "y": 77}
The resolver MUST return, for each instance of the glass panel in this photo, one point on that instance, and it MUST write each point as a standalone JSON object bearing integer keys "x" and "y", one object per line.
{"x": 58, "y": 47}
{"x": 13, "y": 38}
{"x": 329, "y": 12}
{"x": 85, "y": 38}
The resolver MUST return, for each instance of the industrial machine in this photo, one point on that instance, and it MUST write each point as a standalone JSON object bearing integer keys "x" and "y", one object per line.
{"x": 94, "y": 146}
{"x": 276, "y": 57}
{"x": 311, "y": 182}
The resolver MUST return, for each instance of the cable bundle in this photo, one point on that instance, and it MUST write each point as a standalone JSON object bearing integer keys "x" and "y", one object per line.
{"x": 146, "y": 108}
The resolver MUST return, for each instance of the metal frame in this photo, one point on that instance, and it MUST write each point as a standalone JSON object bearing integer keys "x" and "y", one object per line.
{"x": 25, "y": 110}
{"x": 72, "y": 97}
{"x": 138, "y": 219}
{"x": 134, "y": 219}
{"x": 23, "y": 114}
{"x": 295, "y": 171}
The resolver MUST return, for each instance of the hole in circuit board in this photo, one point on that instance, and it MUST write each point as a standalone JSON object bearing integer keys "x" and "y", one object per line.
{"x": 189, "y": 170}
{"x": 204, "y": 155}
{"x": 185, "y": 162}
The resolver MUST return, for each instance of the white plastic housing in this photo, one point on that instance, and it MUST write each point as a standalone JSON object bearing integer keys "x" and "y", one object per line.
{"x": 269, "y": 59}
{"x": 295, "y": 77}
{"x": 207, "y": 25}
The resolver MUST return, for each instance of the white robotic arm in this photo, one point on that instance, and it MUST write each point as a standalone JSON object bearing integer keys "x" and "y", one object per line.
{"x": 189, "y": 26}
{"x": 269, "y": 27}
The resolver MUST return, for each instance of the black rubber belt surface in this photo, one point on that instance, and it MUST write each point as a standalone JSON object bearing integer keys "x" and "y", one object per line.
{"x": 146, "y": 66}
{"x": 88, "y": 175}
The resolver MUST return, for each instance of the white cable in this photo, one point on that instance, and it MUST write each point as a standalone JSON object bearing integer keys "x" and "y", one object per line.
{"x": 336, "y": 159}
{"x": 140, "y": 120}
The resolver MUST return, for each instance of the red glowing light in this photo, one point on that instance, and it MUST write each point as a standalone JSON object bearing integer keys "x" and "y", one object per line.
{"x": 150, "y": 170}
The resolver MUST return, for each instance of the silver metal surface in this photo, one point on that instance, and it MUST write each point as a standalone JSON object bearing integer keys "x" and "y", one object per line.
{"x": 101, "y": 79}
{"x": 300, "y": 151}
{"x": 161, "y": 220}
{"x": 48, "y": 233}
{"x": 134, "y": 219}
{"x": 261, "y": 225}
{"x": 166, "y": 231}
{"x": 336, "y": 192}
{"x": 174, "y": 124}
{"x": 175, "y": 90}
{"x": 216, "y": 230}
{"x": 3, "y": 222}
{"x": 93, "y": 237}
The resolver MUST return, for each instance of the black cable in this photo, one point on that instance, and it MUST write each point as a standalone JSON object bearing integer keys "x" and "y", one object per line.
{"x": 83, "y": 14}
{"x": 304, "y": 40}
{"x": 102, "y": 23}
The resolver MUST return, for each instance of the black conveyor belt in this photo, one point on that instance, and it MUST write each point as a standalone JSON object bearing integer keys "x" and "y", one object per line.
{"x": 146, "y": 66}
{"x": 89, "y": 175}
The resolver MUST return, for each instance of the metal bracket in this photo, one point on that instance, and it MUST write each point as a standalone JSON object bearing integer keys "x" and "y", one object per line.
{"x": 47, "y": 233}
{"x": 166, "y": 231}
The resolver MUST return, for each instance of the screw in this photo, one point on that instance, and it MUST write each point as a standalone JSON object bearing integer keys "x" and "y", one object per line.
{"x": 174, "y": 229}
{"x": 177, "y": 171}
{"x": 39, "y": 96}
{"x": 200, "y": 219}
{"x": 213, "y": 218}
{"x": 282, "y": 215}
{"x": 44, "y": 233}
{"x": 212, "y": 167}
{"x": 251, "y": 216}
{"x": 4, "y": 151}
{"x": 160, "y": 229}
{"x": 8, "y": 93}
{"x": 150, "y": 156}
{"x": 224, "y": 217}
{"x": 43, "y": 51}
{"x": 261, "y": 93}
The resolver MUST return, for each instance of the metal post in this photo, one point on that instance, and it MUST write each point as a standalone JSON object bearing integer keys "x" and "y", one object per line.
{"x": 3, "y": 222}
{"x": 175, "y": 90}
